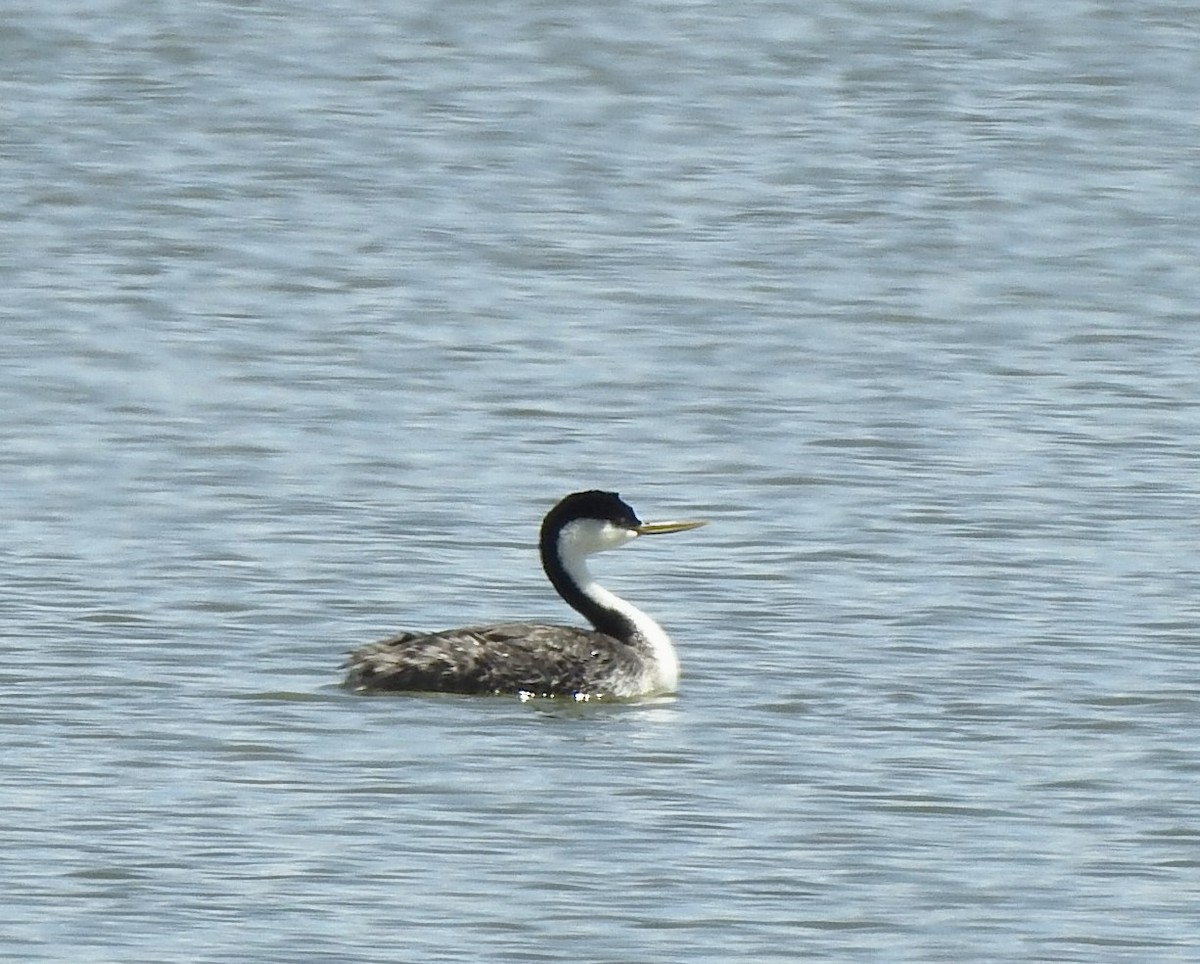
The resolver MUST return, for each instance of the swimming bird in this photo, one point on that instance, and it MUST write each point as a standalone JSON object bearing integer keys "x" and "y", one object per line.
{"x": 625, "y": 653}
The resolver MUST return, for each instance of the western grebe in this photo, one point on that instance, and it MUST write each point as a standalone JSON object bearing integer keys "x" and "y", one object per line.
{"x": 627, "y": 653}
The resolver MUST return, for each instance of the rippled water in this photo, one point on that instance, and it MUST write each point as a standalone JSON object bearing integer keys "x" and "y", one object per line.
{"x": 311, "y": 313}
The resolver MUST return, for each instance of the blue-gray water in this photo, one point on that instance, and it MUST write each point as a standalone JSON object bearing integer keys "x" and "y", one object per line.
{"x": 311, "y": 310}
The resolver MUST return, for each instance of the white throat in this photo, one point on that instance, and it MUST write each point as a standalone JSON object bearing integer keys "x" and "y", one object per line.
{"x": 576, "y": 542}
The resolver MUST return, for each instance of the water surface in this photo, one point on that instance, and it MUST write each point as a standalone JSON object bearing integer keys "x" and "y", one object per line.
{"x": 310, "y": 314}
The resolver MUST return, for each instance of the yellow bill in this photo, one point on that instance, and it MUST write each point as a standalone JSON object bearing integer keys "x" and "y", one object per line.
{"x": 661, "y": 528}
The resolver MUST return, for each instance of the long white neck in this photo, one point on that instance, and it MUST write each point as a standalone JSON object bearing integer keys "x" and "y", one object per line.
{"x": 647, "y": 632}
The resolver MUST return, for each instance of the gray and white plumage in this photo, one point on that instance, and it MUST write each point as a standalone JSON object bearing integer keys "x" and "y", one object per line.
{"x": 625, "y": 653}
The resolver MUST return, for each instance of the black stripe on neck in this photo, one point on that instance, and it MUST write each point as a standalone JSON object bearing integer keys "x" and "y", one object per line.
{"x": 605, "y": 620}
